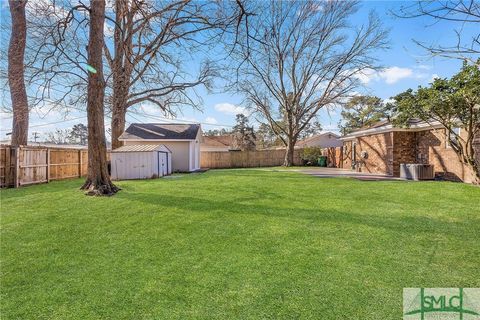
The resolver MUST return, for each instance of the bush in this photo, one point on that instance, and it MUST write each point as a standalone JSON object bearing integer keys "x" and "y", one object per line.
{"x": 310, "y": 155}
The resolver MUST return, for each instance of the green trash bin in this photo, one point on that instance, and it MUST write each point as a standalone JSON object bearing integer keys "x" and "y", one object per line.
{"x": 322, "y": 161}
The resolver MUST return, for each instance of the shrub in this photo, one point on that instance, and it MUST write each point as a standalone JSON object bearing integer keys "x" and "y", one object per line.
{"x": 310, "y": 155}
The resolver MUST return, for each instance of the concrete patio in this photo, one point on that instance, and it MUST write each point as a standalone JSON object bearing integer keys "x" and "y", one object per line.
{"x": 337, "y": 172}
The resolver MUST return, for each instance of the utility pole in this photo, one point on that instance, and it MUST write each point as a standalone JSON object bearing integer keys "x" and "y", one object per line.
{"x": 35, "y": 136}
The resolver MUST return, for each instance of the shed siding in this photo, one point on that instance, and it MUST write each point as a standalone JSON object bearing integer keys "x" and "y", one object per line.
{"x": 180, "y": 152}
{"x": 134, "y": 165}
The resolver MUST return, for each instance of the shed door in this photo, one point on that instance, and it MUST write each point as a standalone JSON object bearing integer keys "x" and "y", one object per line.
{"x": 162, "y": 164}
{"x": 197, "y": 155}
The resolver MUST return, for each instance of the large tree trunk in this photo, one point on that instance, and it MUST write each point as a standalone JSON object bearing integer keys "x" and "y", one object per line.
{"x": 119, "y": 102}
{"x": 98, "y": 181}
{"x": 121, "y": 70}
{"x": 16, "y": 53}
{"x": 290, "y": 152}
{"x": 118, "y": 126}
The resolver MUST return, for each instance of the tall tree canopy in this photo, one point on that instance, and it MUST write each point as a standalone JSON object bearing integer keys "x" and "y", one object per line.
{"x": 243, "y": 134}
{"x": 454, "y": 103}
{"x": 300, "y": 57}
{"x": 361, "y": 111}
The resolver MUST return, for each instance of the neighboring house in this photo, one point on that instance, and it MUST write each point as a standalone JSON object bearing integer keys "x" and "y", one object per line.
{"x": 382, "y": 147}
{"x": 183, "y": 140}
{"x": 322, "y": 140}
{"x": 217, "y": 143}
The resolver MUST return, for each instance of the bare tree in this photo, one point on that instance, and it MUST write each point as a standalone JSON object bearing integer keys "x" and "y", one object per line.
{"x": 59, "y": 136}
{"x": 16, "y": 52}
{"x": 146, "y": 62}
{"x": 463, "y": 13}
{"x": 148, "y": 48}
{"x": 98, "y": 180}
{"x": 302, "y": 56}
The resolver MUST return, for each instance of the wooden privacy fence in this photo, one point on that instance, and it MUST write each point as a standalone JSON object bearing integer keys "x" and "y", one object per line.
{"x": 30, "y": 165}
{"x": 245, "y": 159}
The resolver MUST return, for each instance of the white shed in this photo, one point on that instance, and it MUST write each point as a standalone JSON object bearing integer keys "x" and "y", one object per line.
{"x": 144, "y": 161}
{"x": 183, "y": 140}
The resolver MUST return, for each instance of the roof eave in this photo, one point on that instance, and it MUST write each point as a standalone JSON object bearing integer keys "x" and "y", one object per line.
{"x": 153, "y": 140}
{"x": 390, "y": 128}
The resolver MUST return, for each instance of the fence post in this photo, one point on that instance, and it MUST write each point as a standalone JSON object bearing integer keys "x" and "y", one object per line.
{"x": 79, "y": 163}
{"x": 48, "y": 165}
{"x": 17, "y": 167}
{"x": 8, "y": 166}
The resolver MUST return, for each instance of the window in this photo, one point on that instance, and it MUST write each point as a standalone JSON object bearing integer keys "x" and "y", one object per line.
{"x": 451, "y": 137}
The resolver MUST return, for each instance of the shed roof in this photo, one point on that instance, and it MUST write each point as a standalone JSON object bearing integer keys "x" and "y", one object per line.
{"x": 142, "y": 148}
{"x": 160, "y": 131}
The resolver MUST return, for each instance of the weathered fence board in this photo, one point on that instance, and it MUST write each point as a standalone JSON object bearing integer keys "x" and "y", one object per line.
{"x": 7, "y": 166}
{"x": 30, "y": 165}
{"x": 245, "y": 159}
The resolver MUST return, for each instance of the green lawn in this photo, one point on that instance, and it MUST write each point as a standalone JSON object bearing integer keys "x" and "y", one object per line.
{"x": 234, "y": 244}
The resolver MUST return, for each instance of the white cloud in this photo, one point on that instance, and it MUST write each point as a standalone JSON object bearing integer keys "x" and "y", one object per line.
{"x": 367, "y": 75}
{"x": 433, "y": 77}
{"x": 229, "y": 108}
{"x": 390, "y": 75}
{"x": 45, "y": 8}
{"x": 211, "y": 120}
{"x": 394, "y": 74}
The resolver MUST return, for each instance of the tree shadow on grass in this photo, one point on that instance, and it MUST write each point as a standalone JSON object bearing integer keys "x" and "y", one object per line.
{"x": 45, "y": 188}
{"x": 408, "y": 225}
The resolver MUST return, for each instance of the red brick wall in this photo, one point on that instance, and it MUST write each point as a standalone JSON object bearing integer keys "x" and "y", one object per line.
{"x": 378, "y": 148}
{"x": 347, "y": 155}
{"x": 432, "y": 148}
{"x": 404, "y": 150}
{"x": 334, "y": 157}
{"x": 387, "y": 151}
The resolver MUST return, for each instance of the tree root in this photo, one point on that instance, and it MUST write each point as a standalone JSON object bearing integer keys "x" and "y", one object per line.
{"x": 99, "y": 189}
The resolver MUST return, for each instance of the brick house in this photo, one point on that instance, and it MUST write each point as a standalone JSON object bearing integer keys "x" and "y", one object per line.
{"x": 382, "y": 147}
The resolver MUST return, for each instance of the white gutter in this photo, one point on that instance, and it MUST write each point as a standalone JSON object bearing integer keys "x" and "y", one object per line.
{"x": 156, "y": 140}
{"x": 389, "y": 127}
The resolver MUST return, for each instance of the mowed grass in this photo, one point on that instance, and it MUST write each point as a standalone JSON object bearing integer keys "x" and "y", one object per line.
{"x": 234, "y": 244}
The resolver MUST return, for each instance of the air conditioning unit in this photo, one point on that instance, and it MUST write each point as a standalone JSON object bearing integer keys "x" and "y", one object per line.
{"x": 417, "y": 171}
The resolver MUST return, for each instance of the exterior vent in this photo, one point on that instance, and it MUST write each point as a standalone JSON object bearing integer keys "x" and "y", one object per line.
{"x": 416, "y": 171}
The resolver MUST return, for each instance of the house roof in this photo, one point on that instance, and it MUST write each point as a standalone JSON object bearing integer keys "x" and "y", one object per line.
{"x": 161, "y": 131}
{"x": 387, "y": 126}
{"x": 313, "y": 138}
{"x": 218, "y": 141}
{"x": 142, "y": 148}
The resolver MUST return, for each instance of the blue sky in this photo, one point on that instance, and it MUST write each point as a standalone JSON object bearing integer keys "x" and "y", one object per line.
{"x": 405, "y": 66}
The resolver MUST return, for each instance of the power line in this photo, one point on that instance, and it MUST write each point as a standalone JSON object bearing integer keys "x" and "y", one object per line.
{"x": 47, "y": 124}
{"x": 138, "y": 113}
{"x": 146, "y": 115}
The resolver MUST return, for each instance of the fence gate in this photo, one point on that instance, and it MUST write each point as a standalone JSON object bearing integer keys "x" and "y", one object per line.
{"x": 32, "y": 164}
{"x": 7, "y": 166}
